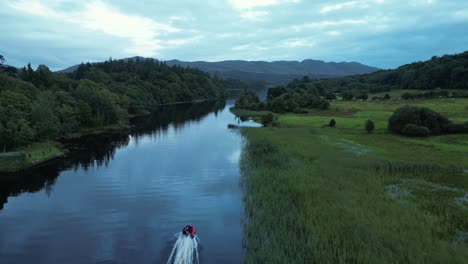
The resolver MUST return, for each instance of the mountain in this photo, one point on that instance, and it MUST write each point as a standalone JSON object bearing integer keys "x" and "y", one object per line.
{"x": 276, "y": 72}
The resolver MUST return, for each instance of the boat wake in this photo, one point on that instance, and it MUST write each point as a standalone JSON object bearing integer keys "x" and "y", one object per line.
{"x": 185, "y": 250}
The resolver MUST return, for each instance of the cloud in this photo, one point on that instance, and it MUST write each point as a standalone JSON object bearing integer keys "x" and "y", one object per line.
{"x": 382, "y": 33}
{"x": 254, "y": 15}
{"x": 182, "y": 41}
{"x": 250, "y": 46}
{"x": 35, "y": 7}
{"x": 329, "y": 8}
{"x": 330, "y": 23}
{"x": 250, "y": 4}
{"x": 142, "y": 32}
{"x": 246, "y": 7}
{"x": 297, "y": 42}
{"x": 461, "y": 15}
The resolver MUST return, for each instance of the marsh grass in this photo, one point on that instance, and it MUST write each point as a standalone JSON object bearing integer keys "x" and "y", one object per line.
{"x": 308, "y": 201}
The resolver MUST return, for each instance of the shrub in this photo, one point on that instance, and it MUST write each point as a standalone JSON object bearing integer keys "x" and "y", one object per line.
{"x": 347, "y": 95}
{"x": 324, "y": 105}
{"x": 370, "y": 126}
{"x": 435, "y": 122}
{"x": 457, "y": 128}
{"x": 363, "y": 97}
{"x": 267, "y": 119}
{"x": 330, "y": 96}
{"x": 248, "y": 100}
{"x": 332, "y": 123}
{"x": 277, "y": 91}
{"x": 387, "y": 97}
{"x": 413, "y": 130}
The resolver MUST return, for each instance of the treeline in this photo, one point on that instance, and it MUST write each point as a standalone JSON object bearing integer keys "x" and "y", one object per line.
{"x": 294, "y": 97}
{"x": 446, "y": 72}
{"x": 37, "y": 105}
{"x": 434, "y": 95}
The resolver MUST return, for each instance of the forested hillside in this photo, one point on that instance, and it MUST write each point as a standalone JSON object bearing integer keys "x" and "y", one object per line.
{"x": 446, "y": 72}
{"x": 38, "y": 105}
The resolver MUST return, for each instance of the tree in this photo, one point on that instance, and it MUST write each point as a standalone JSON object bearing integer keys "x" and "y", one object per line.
{"x": 3, "y": 137}
{"x": 332, "y": 123}
{"x": 248, "y": 100}
{"x": 267, "y": 119}
{"x": 369, "y": 126}
{"x": 347, "y": 95}
{"x": 387, "y": 96}
{"x": 330, "y": 96}
{"x": 277, "y": 91}
{"x": 363, "y": 96}
{"x": 43, "y": 118}
{"x": 2, "y": 60}
{"x": 24, "y": 133}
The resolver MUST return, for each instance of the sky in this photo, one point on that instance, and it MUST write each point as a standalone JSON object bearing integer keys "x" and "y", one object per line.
{"x": 380, "y": 33}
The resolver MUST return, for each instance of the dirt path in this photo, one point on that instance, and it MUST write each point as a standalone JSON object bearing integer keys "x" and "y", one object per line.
{"x": 10, "y": 154}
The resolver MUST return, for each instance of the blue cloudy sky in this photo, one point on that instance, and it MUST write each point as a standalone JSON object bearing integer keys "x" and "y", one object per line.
{"x": 382, "y": 33}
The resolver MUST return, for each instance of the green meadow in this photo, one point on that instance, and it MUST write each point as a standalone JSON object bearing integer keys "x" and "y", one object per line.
{"x": 320, "y": 194}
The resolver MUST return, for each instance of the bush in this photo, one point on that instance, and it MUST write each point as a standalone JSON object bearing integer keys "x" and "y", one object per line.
{"x": 267, "y": 119}
{"x": 457, "y": 128}
{"x": 347, "y": 95}
{"x": 248, "y": 100}
{"x": 332, "y": 123}
{"x": 435, "y": 122}
{"x": 370, "y": 126}
{"x": 363, "y": 97}
{"x": 413, "y": 130}
{"x": 330, "y": 96}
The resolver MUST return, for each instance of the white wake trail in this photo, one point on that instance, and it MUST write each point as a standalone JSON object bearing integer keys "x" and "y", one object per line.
{"x": 184, "y": 250}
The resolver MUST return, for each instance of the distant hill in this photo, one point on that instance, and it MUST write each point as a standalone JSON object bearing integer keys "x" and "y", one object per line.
{"x": 277, "y": 72}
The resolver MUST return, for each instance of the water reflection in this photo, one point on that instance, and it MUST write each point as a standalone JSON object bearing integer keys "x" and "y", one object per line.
{"x": 98, "y": 150}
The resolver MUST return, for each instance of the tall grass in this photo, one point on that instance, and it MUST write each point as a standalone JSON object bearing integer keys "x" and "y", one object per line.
{"x": 308, "y": 202}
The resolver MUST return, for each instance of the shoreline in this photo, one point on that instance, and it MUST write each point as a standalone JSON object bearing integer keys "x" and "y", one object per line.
{"x": 24, "y": 160}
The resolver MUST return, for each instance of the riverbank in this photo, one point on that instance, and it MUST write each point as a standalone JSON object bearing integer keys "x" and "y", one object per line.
{"x": 316, "y": 194}
{"x": 41, "y": 152}
{"x": 26, "y": 157}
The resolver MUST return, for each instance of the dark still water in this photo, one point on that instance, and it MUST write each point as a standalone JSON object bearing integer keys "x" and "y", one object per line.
{"x": 122, "y": 198}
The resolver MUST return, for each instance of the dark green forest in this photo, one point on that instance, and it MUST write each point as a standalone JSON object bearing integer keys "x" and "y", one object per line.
{"x": 39, "y": 105}
{"x": 446, "y": 72}
{"x": 294, "y": 97}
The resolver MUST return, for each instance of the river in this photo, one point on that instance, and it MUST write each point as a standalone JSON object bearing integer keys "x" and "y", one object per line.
{"x": 121, "y": 198}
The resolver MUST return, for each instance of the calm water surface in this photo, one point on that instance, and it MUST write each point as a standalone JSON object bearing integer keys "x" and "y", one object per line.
{"x": 121, "y": 198}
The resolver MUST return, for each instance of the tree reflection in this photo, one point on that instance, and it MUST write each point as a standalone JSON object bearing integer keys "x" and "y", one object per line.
{"x": 99, "y": 150}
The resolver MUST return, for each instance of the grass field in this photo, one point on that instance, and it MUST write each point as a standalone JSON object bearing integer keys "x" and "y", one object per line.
{"x": 25, "y": 157}
{"x": 316, "y": 194}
